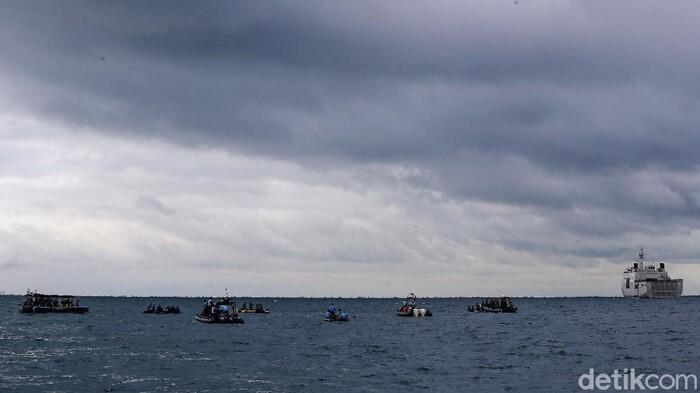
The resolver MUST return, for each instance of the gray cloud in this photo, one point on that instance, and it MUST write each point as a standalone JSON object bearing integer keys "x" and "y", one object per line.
{"x": 153, "y": 203}
{"x": 556, "y": 85}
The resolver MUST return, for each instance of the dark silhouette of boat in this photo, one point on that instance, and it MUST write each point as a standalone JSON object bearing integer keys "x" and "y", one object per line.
{"x": 337, "y": 318}
{"x": 38, "y": 303}
{"x": 152, "y": 309}
{"x": 219, "y": 311}
{"x": 250, "y": 309}
{"x": 494, "y": 305}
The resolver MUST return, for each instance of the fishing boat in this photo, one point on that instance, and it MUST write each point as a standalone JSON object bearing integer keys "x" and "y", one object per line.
{"x": 410, "y": 308}
{"x": 219, "y": 311}
{"x": 644, "y": 280}
{"x": 38, "y": 303}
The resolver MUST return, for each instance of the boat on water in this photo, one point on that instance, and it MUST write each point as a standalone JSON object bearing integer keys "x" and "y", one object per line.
{"x": 39, "y": 303}
{"x": 334, "y": 314}
{"x": 410, "y": 308}
{"x": 644, "y": 280}
{"x": 219, "y": 311}
{"x": 246, "y": 311}
{"x": 494, "y": 305}
{"x": 152, "y": 309}
{"x": 250, "y": 309}
{"x": 339, "y": 318}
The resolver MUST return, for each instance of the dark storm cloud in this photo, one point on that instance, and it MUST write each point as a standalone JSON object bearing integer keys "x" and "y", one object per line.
{"x": 547, "y": 105}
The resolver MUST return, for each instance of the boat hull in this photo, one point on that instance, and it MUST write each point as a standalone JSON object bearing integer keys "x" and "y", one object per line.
{"x": 335, "y": 320}
{"x": 416, "y": 312}
{"x": 494, "y": 310}
{"x": 54, "y": 310}
{"x": 670, "y": 289}
{"x": 204, "y": 319}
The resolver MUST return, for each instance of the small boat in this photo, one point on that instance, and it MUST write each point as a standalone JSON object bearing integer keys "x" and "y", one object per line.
{"x": 245, "y": 311}
{"x": 410, "y": 308}
{"x": 152, "y": 309}
{"x": 414, "y": 312}
{"x": 38, "y": 303}
{"x": 250, "y": 309}
{"x": 494, "y": 305}
{"x": 219, "y": 311}
{"x": 212, "y": 319}
{"x": 334, "y": 314}
{"x": 342, "y": 317}
{"x": 336, "y": 320}
{"x": 169, "y": 311}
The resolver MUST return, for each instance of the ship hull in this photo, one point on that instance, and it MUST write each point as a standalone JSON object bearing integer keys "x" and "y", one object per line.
{"x": 670, "y": 289}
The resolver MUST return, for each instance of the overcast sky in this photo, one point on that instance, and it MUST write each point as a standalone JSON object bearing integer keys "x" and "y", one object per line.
{"x": 358, "y": 148}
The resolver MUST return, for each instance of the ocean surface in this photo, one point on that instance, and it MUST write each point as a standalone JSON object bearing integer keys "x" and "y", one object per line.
{"x": 545, "y": 347}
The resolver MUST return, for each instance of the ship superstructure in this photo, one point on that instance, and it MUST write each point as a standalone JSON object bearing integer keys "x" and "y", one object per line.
{"x": 643, "y": 280}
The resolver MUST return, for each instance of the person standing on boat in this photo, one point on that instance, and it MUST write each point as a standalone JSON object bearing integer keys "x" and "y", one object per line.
{"x": 332, "y": 311}
{"x": 412, "y": 300}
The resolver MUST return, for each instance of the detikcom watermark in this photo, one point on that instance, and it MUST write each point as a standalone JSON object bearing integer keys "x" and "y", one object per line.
{"x": 631, "y": 380}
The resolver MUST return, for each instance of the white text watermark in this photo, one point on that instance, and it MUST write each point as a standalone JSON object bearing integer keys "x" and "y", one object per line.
{"x": 631, "y": 380}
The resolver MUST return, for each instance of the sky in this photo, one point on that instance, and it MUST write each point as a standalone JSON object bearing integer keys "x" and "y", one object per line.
{"x": 347, "y": 148}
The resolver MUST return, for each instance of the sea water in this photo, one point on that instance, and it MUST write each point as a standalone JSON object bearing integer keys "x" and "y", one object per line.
{"x": 545, "y": 347}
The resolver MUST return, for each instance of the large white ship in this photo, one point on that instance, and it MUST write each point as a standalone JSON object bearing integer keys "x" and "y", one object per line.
{"x": 644, "y": 280}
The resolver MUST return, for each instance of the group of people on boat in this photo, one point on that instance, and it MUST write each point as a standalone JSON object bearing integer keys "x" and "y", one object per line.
{"x": 37, "y": 302}
{"x": 49, "y": 301}
{"x": 259, "y": 308}
{"x": 334, "y": 314}
{"x": 409, "y": 304}
{"x": 153, "y": 309}
{"x": 219, "y": 311}
{"x": 497, "y": 304}
{"x": 410, "y": 308}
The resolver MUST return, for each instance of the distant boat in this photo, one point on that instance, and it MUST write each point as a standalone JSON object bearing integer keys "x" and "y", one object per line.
{"x": 38, "y": 303}
{"x": 646, "y": 281}
{"x": 152, "y": 309}
{"x": 410, "y": 308}
{"x": 334, "y": 314}
{"x": 494, "y": 305}
{"x": 250, "y": 309}
{"x": 219, "y": 311}
{"x": 339, "y": 318}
